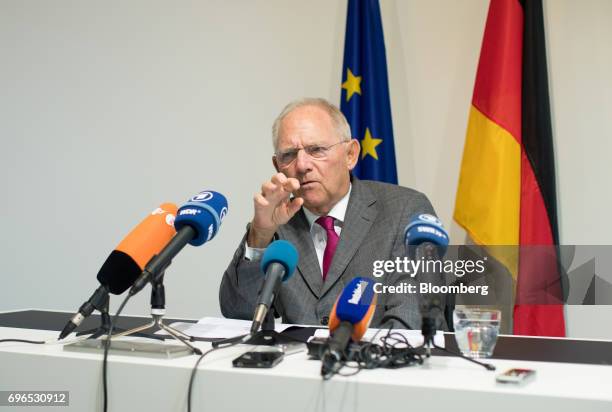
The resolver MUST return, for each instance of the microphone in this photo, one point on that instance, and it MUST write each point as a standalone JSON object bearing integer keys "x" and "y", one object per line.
{"x": 349, "y": 320}
{"x": 427, "y": 240}
{"x": 197, "y": 222}
{"x": 278, "y": 263}
{"x": 425, "y": 237}
{"x": 122, "y": 267}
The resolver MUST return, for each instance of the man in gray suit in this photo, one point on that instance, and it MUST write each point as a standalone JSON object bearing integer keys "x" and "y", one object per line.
{"x": 339, "y": 224}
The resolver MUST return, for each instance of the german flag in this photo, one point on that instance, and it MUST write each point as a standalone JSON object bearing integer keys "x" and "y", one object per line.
{"x": 506, "y": 193}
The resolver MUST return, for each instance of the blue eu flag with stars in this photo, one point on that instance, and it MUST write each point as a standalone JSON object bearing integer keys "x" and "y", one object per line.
{"x": 365, "y": 92}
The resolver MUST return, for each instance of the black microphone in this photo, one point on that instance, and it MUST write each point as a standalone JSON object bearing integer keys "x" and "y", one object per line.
{"x": 98, "y": 300}
{"x": 427, "y": 240}
{"x": 278, "y": 263}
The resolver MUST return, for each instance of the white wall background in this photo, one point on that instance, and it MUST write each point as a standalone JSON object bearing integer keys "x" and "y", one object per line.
{"x": 109, "y": 108}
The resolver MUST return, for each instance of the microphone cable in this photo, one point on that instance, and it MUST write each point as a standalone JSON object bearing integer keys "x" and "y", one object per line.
{"x": 106, "y": 347}
{"x": 36, "y": 342}
{"x": 394, "y": 352}
{"x": 485, "y": 365}
{"x": 195, "y": 368}
{"x": 107, "y": 343}
{"x": 46, "y": 342}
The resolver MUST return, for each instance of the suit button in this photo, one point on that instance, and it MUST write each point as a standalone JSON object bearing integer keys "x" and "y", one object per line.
{"x": 324, "y": 320}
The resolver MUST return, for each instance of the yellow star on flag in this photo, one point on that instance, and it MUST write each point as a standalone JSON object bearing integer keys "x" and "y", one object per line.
{"x": 352, "y": 84}
{"x": 368, "y": 145}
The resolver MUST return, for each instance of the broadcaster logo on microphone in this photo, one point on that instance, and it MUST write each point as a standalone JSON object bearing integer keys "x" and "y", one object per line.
{"x": 202, "y": 197}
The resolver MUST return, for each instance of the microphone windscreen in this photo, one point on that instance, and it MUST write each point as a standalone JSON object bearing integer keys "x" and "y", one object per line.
{"x": 204, "y": 213}
{"x": 283, "y": 252}
{"x": 356, "y": 305}
{"x": 126, "y": 262}
{"x": 426, "y": 228}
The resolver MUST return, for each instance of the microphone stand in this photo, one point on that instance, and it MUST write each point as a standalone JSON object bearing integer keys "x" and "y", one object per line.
{"x": 158, "y": 310}
{"x": 100, "y": 302}
{"x": 428, "y": 330}
{"x": 266, "y": 336}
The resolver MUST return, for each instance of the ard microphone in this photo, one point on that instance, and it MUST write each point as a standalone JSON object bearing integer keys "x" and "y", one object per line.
{"x": 427, "y": 240}
{"x": 425, "y": 237}
{"x": 197, "y": 222}
{"x": 122, "y": 267}
{"x": 278, "y": 263}
{"x": 349, "y": 319}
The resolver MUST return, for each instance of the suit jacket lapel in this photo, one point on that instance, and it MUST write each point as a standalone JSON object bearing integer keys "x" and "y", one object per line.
{"x": 359, "y": 217}
{"x": 297, "y": 231}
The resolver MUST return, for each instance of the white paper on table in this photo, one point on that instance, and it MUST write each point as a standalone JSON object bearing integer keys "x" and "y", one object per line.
{"x": 211, "y": 327}
{"x": 414, "y": 337}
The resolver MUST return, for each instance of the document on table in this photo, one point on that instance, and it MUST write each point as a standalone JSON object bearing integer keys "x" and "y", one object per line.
{"x": 220, "y": 328}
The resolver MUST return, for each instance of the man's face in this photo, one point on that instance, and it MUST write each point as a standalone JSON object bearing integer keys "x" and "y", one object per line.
{"x": 323, "y": 181}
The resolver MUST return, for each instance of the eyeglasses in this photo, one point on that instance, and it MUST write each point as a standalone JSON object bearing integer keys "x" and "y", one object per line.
{"x": 286, "y": 157}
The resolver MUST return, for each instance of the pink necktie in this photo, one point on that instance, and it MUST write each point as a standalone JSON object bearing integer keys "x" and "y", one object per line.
{"x": 327, "y": 222}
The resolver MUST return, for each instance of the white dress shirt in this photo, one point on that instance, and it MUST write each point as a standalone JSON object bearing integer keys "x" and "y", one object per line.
{"x": 317, "y": 232}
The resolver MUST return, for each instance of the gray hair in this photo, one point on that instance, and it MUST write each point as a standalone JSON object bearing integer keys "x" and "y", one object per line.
{"x": 338, "y": 120}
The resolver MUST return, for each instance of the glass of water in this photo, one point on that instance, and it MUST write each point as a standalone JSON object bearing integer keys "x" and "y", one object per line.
{"x": 476, "y": 331}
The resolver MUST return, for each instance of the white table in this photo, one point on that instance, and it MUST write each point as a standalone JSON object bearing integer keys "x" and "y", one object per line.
{"x": 444, "y": 383}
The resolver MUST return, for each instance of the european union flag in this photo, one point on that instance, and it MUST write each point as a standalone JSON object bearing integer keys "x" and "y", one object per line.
{"x": 365, "y": 92}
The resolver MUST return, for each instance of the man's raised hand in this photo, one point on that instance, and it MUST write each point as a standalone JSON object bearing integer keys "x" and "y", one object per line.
{"x": 273, "y": 207}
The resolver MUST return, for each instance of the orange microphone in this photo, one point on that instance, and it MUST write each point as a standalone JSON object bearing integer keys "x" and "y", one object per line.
{"x": 349, "y": 320}
{"x": 123, "y": 266}
{"x": 127, "y": 261}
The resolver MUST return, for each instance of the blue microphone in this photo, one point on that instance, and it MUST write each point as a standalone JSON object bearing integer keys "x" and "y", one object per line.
{"x": 204, "y": 213}
{"x": 349, "y": 320}
{"x": 424, "y": 236}
{"x": 197, "y": 222}
{"x": 352, "y": 313}
{"x": 427, "y": 240}
{"x": 282, "y": 252}
{"x": 278, "y": 263}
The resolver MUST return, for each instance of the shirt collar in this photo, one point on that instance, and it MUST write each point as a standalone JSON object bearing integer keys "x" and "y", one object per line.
{"x": 337, "y": 212}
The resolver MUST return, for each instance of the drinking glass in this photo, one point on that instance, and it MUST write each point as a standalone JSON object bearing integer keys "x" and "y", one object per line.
{"x": 476, "y": 331}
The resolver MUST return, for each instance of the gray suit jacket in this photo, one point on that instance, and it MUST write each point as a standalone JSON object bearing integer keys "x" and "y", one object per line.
{"x": 373, "y": 229}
